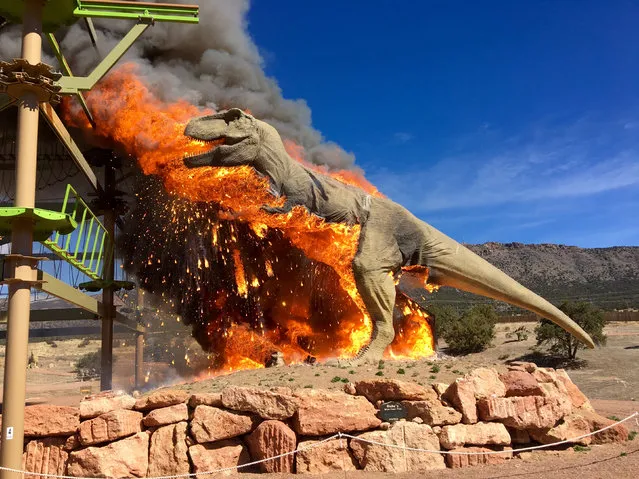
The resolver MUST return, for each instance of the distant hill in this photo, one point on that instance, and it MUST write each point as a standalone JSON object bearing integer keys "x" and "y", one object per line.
{"x": 608, "y": 277}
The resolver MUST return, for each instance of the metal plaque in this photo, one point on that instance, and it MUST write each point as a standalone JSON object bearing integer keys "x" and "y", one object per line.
{"x": 392, "y": 411}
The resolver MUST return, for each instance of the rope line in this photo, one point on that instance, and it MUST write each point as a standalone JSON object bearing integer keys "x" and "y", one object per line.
{"x": 340, "y": 436}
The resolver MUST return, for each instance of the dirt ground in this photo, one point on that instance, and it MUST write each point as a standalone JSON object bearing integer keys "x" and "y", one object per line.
{"x": 608, "y": 376}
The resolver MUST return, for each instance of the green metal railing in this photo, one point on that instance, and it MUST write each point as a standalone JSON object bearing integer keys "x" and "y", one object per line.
{"x": 136, "y": 11}
{"x": 89, "y": 247}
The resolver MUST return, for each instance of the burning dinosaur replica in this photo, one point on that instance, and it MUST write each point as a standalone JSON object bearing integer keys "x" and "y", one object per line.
{"x": 392, "y": 240}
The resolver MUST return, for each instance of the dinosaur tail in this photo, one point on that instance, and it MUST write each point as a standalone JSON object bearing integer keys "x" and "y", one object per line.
{"x": 456, "y": 266}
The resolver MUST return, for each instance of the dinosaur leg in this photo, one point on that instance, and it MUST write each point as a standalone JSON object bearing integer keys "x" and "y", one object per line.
{"x": 378, "y": 256}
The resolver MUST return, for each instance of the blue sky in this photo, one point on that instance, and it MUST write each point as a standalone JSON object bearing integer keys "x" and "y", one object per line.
{"x": 492, "y": 120}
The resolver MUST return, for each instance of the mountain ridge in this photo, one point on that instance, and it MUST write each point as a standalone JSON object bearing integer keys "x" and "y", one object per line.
{"x": 607, "y": 277}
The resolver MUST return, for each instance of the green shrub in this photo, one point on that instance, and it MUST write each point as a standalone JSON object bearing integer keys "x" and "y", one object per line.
{"x": 88, "y": 366}
{"x": 564, "y": 344}
{"x": 473, "y": 331}
{"x": 521, "y": 333}
{"x": 336, "y": 379}
{"x": 443, "y": 317}
{"x": 401, "y": 371}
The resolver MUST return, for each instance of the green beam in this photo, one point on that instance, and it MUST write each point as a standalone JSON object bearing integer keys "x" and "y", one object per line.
{"x": 90, "y": 304}
{"x": 62, "y": 290}
{"x": 72, "y": 85}
{"x": 61, "y": 131}
{"x": 156, "y": 12}
{"x": 67, "y": 71}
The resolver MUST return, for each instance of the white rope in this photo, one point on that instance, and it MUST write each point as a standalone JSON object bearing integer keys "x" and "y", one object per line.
{"x": 341, "y": 435}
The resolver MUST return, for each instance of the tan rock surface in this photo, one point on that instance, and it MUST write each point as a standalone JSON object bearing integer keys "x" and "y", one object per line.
{"x": 458, "y": 460}
{"x": 45, "y": 456}
{"x": 324, "y": 412}
{"x": 124, "y": 458}
{"x": 440, "y": 388}
{"x": 214, "y": 424}
{"x": 266, "y": 404}
{"x": 270, "y": 439}
{"x": 373, "y": 457}
{"x": 110, "y": 427}
{"x": 166, "y": 415}
{"x": 618, "y": 433}
{"x": 393, "y": 390}
{"x": 219, "y": 455}
{"x": 577, "y": 398}
{"x": 525, "y": 412}
{"x": 95, "y": 406}
{"x": 568, "y": 428}
{"x": 480, "y": 434}
{"x": 161, "y": 398}
{"x": 45, "y": 420}
{"x": 432, "y": 413}
{"x": 520, "y": 383}
{"x": 461, "y": 395}
{"x": 205, "y": 399}
{"x": 168, "y": 453}
{"x": 321, "y": 458}
{"x": 486, "y": 383}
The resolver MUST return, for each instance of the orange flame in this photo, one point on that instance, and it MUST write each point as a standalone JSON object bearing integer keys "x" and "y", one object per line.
{"x": 125, "y": 111}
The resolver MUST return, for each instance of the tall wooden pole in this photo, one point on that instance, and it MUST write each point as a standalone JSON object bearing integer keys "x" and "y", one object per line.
{"x": 139, "y": 344}
{"x": 106, "y": 359}
{"x": 21, "y": 265}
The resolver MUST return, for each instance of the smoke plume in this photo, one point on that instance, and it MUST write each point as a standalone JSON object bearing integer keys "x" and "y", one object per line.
{"x": 214, "y": 64}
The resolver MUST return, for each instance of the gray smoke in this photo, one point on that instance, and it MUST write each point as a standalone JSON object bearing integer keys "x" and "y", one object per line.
{"x": 214, "y": 64}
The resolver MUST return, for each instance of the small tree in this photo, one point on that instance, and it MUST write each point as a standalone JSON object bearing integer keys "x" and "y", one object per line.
{"x": 443, "y": 317}
{"x": 473, "y": 331}
{"x": 564, "y": 344}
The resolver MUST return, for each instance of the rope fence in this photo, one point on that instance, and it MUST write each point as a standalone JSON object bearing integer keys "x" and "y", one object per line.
{"x": 341, "y": 436}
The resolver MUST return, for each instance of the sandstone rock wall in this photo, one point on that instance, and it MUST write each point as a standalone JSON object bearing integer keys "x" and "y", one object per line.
{"x": 173, "y": 432}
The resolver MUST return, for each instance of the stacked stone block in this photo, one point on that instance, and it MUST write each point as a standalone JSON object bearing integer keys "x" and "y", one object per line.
{"x": 171, "y": 432}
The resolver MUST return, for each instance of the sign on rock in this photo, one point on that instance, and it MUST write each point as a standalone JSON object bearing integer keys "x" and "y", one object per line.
{"x": 392, "y": 411}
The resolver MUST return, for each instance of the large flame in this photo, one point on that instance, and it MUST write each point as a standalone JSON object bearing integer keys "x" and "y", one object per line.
{"x": 129, "y": 114}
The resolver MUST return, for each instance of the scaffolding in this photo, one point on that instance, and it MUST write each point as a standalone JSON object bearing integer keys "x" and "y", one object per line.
{"x": 33, "y": 87}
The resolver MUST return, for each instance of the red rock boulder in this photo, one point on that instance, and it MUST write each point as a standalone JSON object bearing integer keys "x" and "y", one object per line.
{"x": 270, "y": 439}
{"x": 45, "y": 420}
{"x": 393, "y": 390}
{"x": 322, "y": 413}
{"x": 374, "y": 457}
{"x": 525, "y": 412}
{"x": 161, "y": 398}
{"x": 45, "y": 456}
{"x": 316, "y": 457}
{"x": 267, "y": 404}
{"x": 227, "y": 454}
{"x": 210, "y": 424}
{"x": 168, "y": 451}
{"x": 110, "y": 427}
{"x": 480, "y": 456}
{"x": 124, "y": 458}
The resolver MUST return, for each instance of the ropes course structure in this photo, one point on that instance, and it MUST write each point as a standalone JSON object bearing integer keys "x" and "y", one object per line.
{"x": 40, "y": 165}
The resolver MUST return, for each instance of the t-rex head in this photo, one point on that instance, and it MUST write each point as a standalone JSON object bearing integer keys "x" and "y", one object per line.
{"x": 243, "y": 138}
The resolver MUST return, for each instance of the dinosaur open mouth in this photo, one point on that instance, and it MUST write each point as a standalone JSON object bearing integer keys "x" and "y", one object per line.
{"x": 201, "y": 156}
